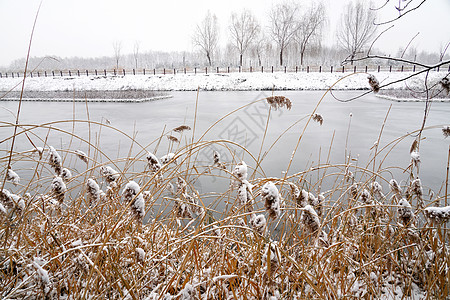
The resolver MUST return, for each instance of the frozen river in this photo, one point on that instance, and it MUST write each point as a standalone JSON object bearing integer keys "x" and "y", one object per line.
{"x": 147, "y": 121}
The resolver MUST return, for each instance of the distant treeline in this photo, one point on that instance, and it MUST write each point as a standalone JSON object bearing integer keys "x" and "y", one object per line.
{"x": 181, "y": 59}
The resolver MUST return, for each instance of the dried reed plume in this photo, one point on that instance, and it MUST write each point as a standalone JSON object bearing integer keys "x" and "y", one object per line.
{"x": 377, "y": 190}
{"x": 405, "y": 213}
{"x": 416, "y": 189}
{"x": 271, "y": 197}
{"x": 168, "y": 158}
{"x": 94, "y": 193}
{"x": 310, "y": 219}
{"x": 110, "y": 175}
{"x": 217, "y": 162}
{"x": 446, "y": 131}
{"x": 414, "y": 146}
{"x": 239, "y": 173}
{"x": 39, "y": 150}
{"x": 58, "y": 188}
{"x": 445, "y": 84}
{"x": 55, "y": 161}
{"x": 395, "y": 189}
{"x": 181, "y": 128}
{"x": 279, "y": 102}
{"x": 131, "y": 193}
{"x": 437, "y": 215}
{"x": 66, "y": 175}
{"x": 258, "y": 223}
{"x": 245, "y": 194}
{"x": 172, "y": 138}
{"x": 318, "y": 118}
{"x": 82, "y": 156}
{"x": 374, "y": 84}
{"x": 12, "y": 176}
{"x": 415, "y": 158}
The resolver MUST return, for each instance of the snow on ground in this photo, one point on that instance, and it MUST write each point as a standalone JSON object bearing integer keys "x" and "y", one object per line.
{"x": 216, "y": 82}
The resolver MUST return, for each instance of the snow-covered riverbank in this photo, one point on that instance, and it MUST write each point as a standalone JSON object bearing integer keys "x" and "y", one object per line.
{"x": 216, "y": 82}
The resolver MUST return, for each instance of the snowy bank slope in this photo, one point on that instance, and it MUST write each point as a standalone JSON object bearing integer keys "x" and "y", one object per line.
{"x": 214, "y": 82}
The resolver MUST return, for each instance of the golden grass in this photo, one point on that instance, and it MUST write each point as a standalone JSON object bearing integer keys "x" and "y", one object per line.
{"x": 89, "y": 241}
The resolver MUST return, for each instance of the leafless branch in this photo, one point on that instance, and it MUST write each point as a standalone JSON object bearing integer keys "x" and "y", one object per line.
{"x": 402, "y": 14}
{"x": 370, "y": 48}
{"x": 406, "y": 48}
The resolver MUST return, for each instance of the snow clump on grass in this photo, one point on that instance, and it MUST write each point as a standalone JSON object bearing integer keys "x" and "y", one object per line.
{"x": 131, "y": 193}
{"x": 271, "y": 197}
{"x": 437, "y": 215}
{"x": 12, "y": 177}
{"x": 58, "y": 188}
{"x": 55, "y": 161}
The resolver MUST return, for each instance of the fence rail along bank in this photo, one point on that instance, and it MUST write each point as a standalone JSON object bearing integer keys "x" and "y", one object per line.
{"x": 219, "y": 70}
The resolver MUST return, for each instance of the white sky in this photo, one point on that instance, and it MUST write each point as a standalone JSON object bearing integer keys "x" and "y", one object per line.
{"x": 88, "y": 28}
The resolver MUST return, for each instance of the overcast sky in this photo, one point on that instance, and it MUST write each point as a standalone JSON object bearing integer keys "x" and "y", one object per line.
{"x": 88, "y": 28}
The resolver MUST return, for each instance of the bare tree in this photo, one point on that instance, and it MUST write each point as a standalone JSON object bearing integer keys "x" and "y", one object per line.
{"x": 258, "y": 47}
{"x": 136, "y": 53}
{"x": 206, "y": 36}
{"x": 310, "y": 28}
{"x": 283, "y": 25}
{"x": 117, "y": 46}
{"x": 243, "y": 29}
{"x": 357, "y": 27}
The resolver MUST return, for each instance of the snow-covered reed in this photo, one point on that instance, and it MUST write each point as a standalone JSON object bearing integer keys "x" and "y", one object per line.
{"x": 365, "y": 235}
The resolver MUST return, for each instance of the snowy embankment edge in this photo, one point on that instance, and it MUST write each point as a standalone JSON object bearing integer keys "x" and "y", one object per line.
{"x": 212, "y": 82}
{"x": 139, "y": 100}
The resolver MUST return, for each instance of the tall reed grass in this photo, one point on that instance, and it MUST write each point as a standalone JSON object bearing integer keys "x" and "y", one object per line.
{"x": 86, "y": 225}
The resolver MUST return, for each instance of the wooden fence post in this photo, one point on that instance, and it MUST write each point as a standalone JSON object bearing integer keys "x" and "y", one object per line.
{"x": 61, "y": 73}
{"x": 206, "y": 70}
{"x": 307, "y": 69}
{"x": 78, "y": 72}
{"x": 70, "y": 73}
{"x": 251, "y": 69}
{"x": 378, "y": 69}
{"x": 331, "y": 69}
{"x": 174, "y": 71}
{"x": 105, "y": 71}
{"x": 343, "y": 69}
{"x": 143, "y": 70}
{"x": 123, "y": 72}
{"x": 366, "y": 69}
{"x": 195, "y": 70}
{"x": 284, "y": 69}
{"x": 320, "y": 69}
{"x": 262, "y": 69}
{"x": 134, "y": 71}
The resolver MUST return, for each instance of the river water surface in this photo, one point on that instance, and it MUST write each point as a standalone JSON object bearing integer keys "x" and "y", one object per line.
{"x": 351, "y": 128}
